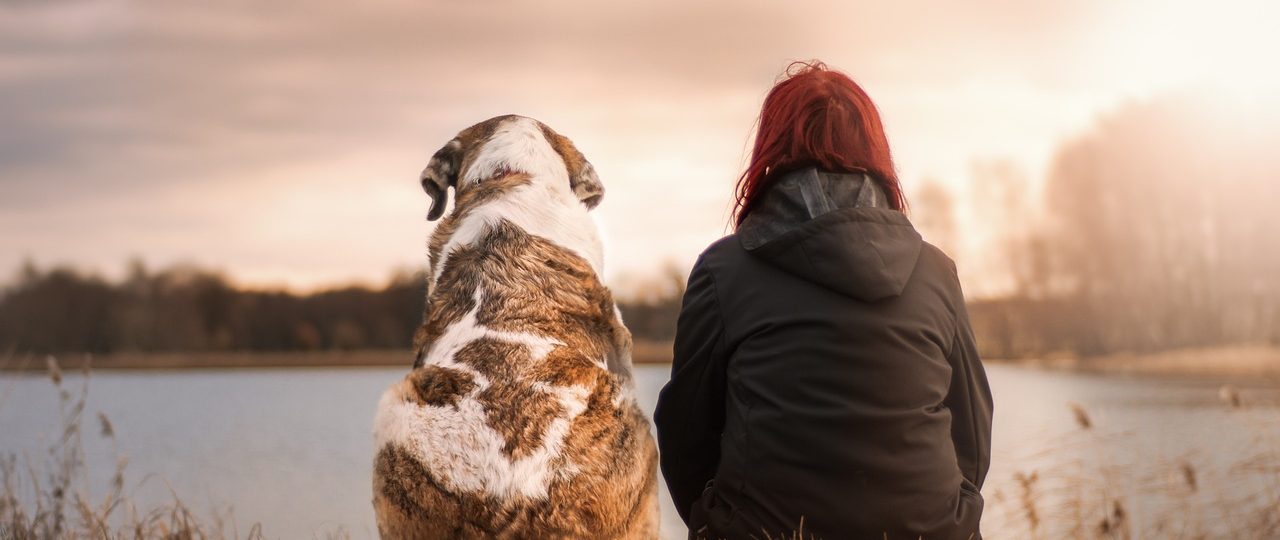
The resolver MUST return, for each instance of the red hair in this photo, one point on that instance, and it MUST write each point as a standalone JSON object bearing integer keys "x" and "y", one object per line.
{"x": 817, "y": 117}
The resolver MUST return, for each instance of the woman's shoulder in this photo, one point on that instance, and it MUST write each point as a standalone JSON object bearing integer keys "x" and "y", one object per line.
{"x": 941, "y": 270}
{"x": 726, "y": 250}
{"x": 722, "y": 247}
{"x": 933, "y": 255}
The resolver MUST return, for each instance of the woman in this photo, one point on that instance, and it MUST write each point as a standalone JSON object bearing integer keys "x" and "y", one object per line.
{"x": 825, "y": 374}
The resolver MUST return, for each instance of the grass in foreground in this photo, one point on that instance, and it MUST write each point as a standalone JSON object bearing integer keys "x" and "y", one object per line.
{"x": 1086, "y": 489}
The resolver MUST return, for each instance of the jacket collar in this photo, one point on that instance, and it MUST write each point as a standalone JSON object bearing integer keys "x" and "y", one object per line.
{"x": 802, "y": 195}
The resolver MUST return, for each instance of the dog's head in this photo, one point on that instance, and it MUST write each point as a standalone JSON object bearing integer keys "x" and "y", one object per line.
{"x": 508, "y": 143}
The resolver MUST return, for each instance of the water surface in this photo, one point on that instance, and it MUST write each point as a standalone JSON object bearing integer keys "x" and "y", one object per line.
{"x": 292, "y": 448}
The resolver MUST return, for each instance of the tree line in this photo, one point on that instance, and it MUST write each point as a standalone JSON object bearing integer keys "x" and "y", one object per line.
{"x": 184, "y": 308}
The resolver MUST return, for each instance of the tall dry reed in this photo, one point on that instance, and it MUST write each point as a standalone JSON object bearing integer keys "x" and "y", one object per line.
{"x": 50, "y": 498}
{"x": 1092, "y": 487}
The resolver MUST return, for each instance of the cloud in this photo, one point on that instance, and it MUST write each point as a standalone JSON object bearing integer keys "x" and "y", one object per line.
{"x": 271, "y": 137}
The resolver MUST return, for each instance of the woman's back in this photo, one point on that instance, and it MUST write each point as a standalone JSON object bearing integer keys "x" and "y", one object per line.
{"x": 824, "y": 370}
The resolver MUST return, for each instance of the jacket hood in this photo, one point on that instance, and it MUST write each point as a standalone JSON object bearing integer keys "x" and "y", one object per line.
{"x": 836, "y": 230}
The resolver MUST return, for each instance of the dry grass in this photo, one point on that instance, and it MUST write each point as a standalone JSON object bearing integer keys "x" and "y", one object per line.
{"x": 1090, "y": 492}
{"x": 50, "y": 498}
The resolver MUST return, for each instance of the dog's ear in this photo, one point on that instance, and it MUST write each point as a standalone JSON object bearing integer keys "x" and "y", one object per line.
{"x": 582, "y": 176}
{"x": 586, "y": 185}
{"x": 440, "y": 174}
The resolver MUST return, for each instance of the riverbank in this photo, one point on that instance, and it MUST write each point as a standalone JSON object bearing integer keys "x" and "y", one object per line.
{"x": 644, "y": 352}
{"x": 1239, "y": 361}
{"x": 1220, "y": 362}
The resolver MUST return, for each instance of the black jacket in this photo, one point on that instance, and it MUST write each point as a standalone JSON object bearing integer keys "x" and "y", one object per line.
{"x": 825, "y": 369}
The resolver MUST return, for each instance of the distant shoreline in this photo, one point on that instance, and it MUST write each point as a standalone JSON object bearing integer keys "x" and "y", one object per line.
{"x": 1261, "y": 361}
{"x": 1233, "y": 361}
{"x": 643, "y": 353}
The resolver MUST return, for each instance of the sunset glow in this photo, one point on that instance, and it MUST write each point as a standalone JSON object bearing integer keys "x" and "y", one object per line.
{"x": 283, "y": 147}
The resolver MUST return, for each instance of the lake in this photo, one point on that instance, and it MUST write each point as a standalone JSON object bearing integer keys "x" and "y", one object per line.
{"x": 292, "y": 448}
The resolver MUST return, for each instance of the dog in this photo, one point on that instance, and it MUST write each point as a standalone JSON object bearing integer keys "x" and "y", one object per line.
{"x": 519, "y": 417}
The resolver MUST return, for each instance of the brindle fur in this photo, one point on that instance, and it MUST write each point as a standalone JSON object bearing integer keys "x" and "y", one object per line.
{"x": 530, "y": 285}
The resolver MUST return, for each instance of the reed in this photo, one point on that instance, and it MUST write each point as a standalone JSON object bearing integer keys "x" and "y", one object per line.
{"x": 1089, "y": 490}
{"x": 51, "y": 498}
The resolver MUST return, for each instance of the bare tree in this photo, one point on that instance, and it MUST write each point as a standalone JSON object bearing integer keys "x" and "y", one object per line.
{"x": 934, "y": 214}
{"x": 1002, "y": 201}
{"x": 1164, "y": 216}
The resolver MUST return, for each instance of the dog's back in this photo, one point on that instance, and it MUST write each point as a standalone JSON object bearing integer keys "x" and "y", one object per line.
{"x": 519, "y": 419}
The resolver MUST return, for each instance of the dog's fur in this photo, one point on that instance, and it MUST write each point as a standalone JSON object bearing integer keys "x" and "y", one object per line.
{"x": 519, "y": 418}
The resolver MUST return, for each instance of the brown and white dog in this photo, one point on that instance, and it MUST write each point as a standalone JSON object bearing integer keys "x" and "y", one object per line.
{"x": 519, "y": 419}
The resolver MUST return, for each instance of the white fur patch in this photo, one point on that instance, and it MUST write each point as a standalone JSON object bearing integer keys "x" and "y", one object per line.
{"x": 517, "y": 145}
{"x": 457, "y": 444}
{"x": 546, "y": 207}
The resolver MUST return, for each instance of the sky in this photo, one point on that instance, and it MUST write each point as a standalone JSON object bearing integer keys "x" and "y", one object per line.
{"x": 281, "y": 142}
